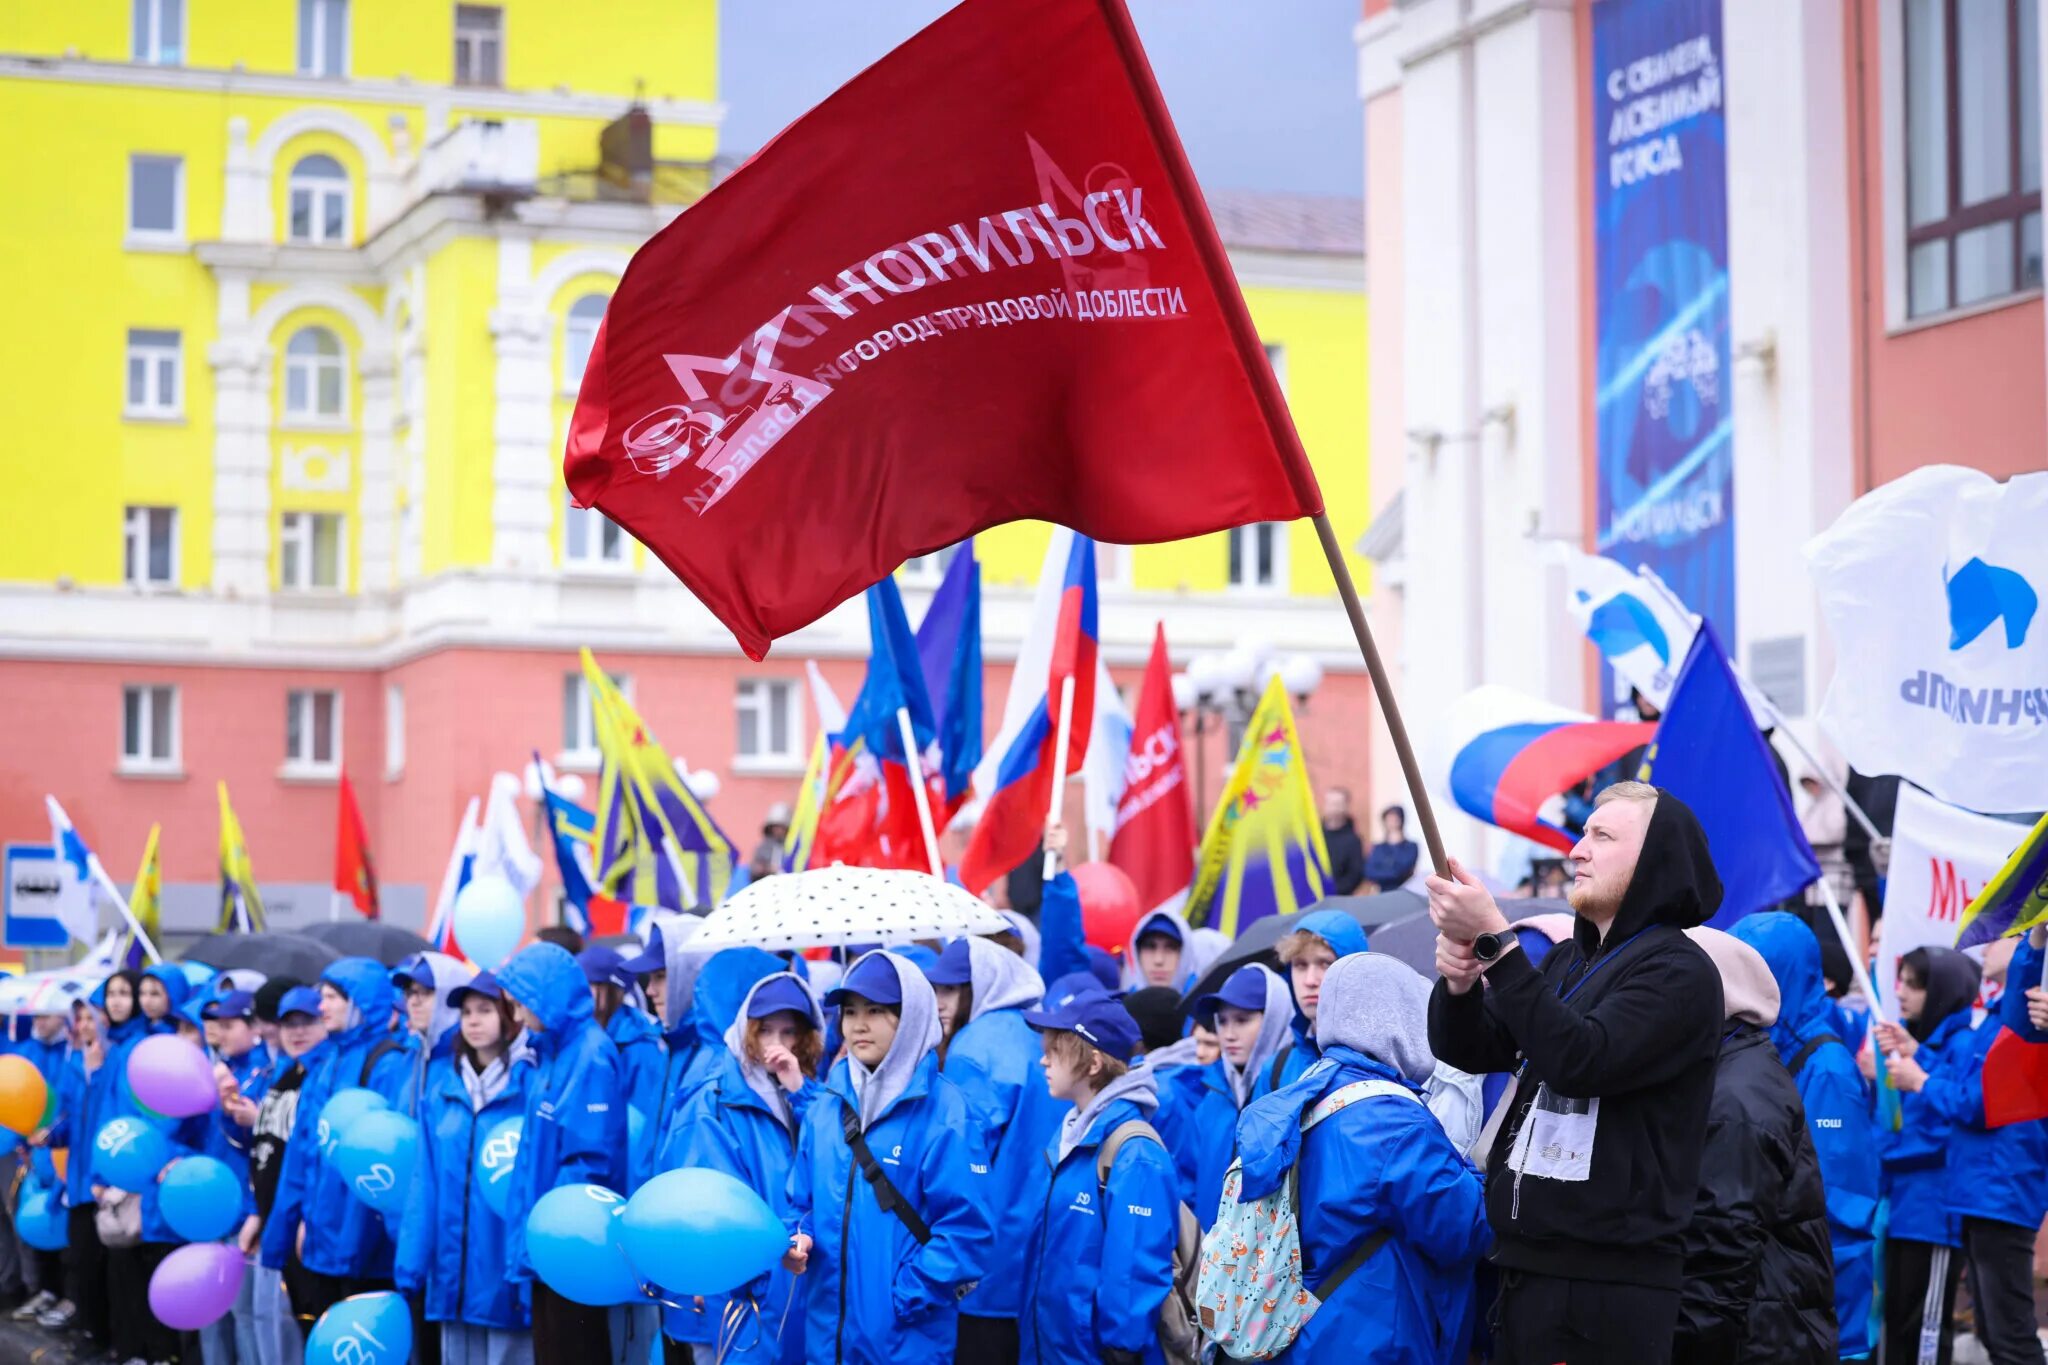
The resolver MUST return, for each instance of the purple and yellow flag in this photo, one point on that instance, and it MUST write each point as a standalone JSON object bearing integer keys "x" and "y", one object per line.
{"x": 1263, "y": 853}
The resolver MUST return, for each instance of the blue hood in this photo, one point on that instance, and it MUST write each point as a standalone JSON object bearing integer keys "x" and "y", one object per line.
{"x": 729, "y": 976}
{"x": 176, "y": 985}
{"x": 1338, "y": 929}
{"x": 133, "y": 1025}
{"x": 544, "y": 977}
{"x": 629, "y": 1026}
{"x": 367, "y": 984}
{"x": 1793, "y": 954}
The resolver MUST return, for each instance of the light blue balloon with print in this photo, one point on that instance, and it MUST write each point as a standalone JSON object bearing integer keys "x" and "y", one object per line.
{"x": 343, "y": 1109}
{"x": 376, "y": 1156}
{"x": 200, "y": 1198}
{"x": 573, "y": 1241}
{"x": 128, "y": 1153}
{"x": 363, "y": 1329}
{"x": 490, "y": 919}
{"x": 495, "y": 1160}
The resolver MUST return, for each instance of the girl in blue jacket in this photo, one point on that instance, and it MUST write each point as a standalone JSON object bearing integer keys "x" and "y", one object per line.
{"x": 876, "y": 1294}
{"x": 575, "y": 1133}
{"x": 426, "y": 982}
{"x": 103, "y": 1029}
{"x": 1379, "y": 1178}
{"x": 993, "y": 1055}
{"x": 643, "y": 1057}
{"x": 744, "y": 1121}
{"x": 1098, "y": 1259}
{"x": 451, "y": 1245}
{"x": 1252, "y": 1016}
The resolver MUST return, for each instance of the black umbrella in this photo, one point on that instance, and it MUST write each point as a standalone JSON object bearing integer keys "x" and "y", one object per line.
{"x": 387, "y": 943}
{"x": 1256, "y": 943}
{"x": 293, "y": 955}
{"x": 1413, "y": 940}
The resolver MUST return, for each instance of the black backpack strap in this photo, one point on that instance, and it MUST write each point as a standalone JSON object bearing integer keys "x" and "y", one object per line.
{"x": 1279, "y": 1064}
{"x": 1362, "y": 1254}
{"x": 379, "y": 1049}
{"x": 887, "y": 1195}
{"x": 1811, "y": 1046}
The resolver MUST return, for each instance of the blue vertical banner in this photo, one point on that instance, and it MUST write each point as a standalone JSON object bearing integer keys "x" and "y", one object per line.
{"x": 1660, "y": 211}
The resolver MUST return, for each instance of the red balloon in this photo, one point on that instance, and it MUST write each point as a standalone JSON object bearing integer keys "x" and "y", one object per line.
{"x": 1109, "y": 905}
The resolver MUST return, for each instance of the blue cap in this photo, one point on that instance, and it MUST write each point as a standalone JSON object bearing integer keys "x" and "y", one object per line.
{"x": 233, "y": 1005}
{"x": 300, "y": 1000}
{"x": 921, "y": 957}
{"x": 1158, "y": 923}
{"x": 653, "y": 959}
{"x": 604, "y": 967}
{"x": 413, "y": 971}
{"x": 1097, "y": 1016}
{"x": 1245, "y": 990}
{"x": 1073, "y": 983}
{"x": 872, "y": 978}
{"x": 190, "y": 1013}
{"x": 955, "y": 966}
{"x": 780, "y": 992}
{"x": 483, "y": 983}
{"x": 1105, "y": 968}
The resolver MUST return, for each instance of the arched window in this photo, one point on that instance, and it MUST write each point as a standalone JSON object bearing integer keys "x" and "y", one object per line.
{"x": 314, "y": 373}
{"x": 319, "y": 200}
{"x": 579, "y": 334}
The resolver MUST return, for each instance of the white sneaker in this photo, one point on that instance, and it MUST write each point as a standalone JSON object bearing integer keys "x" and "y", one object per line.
{"x": 35, "y": 1306}
{"x": 58, "y": 1316}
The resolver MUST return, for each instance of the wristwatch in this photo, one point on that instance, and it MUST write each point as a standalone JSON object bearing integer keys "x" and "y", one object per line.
{"x": 1487, "y": 947}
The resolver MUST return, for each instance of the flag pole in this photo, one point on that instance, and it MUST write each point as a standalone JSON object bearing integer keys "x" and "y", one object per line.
{"x": 915, "y": 763}
{"x": 99, "y": 873}
{"x": 1059, "y": 767}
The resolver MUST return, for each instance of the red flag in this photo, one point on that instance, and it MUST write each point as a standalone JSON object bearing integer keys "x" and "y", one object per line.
{"x": 354, "y": 877}
{"x": 2015, "y": 1079}
{"x": 1155, "y": 822}
{"x": 977, "y": 284}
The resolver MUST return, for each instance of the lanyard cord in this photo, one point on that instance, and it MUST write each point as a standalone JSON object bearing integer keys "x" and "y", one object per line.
{"x": 1602, "y": 961}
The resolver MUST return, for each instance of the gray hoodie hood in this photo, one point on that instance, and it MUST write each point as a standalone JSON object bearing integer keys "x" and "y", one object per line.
{"x": 1134, "y": 976}
{"x": 683, "y": 966}
{"x": 1000, "y": 979}
{"x": 1276, "y": 1026}
{"x": 1378, "y": 1005}
{"x": 1749, "y": 990}
{"x": 758, "y": 1078}
{"x": 1181, "y": 1052}
{"x": 1139, "y": 1085}
{"x": 448, "y": 973}
{"x": 917, "y": 1034}
{"x": 1204, "y": 946}
{"x": 1024, "y": 929}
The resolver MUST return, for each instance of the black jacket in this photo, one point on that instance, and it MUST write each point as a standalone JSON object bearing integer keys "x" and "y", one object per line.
{"x": 1625, "y": 1031}
{"x": 1759, "y": 1276}
{"x": 1347, "y": 858}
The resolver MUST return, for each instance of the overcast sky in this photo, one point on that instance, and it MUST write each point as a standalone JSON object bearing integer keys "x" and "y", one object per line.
{"x": 1264, "y": 91}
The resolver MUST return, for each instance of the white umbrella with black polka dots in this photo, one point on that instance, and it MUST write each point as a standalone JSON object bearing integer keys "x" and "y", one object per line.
{"x": 838, "y": 906}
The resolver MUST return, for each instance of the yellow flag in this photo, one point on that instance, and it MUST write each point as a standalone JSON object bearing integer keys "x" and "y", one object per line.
{"x": 146, "y": 901}
{"x": 1263, "y": 853}
{"x": 240, "y": 905}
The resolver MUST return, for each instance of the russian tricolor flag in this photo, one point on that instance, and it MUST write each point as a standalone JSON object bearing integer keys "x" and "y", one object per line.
{"x": 1012, "y": 822}
{"x": 1512, "y": 753}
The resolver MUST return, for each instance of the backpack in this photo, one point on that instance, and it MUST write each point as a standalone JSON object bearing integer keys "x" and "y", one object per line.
{"x": 1250, "y": 1295}
{"x": 1180, "y": 1340}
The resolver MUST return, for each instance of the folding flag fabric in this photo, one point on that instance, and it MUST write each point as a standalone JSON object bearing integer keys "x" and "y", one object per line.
{"x": 2015, "y": 1080}
{"x": 826, "y": 749}
{"x": 1632, "y": 620}
{"x": 1509, "y": 754}
{"x": 502, "y": 847}
{"x": 241, "y": 907}
{"x": 895, "y": 681}
{"x": 573, "y": 832}
{"x": 2016, "y": 897}
{"x": 1932, "y": 586}
{"x": 355, "y": 878}
{"x": 1020, "y": 310}
{"x": 1155, "y": 822}
{"x": 1710, "y": 755}
{"x": 1263, "y": 853}
{"x": 145, "y": 903}
{"x": 461, "y": 863}
{"x": 77, "y": 880}
{"x": 1109, "y": 751}
{"x": 1941, "y": 859}
{"x": 949, "y": 654}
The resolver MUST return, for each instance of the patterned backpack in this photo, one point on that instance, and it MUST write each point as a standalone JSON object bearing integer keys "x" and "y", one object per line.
{"x": 1250, "y": 1293}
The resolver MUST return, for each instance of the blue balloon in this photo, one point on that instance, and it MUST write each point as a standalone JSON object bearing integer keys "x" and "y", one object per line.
{"x": 128, "y": 1153}
{"x": 490, "y": 919}
{"x": 200, "y": 1198}
{"x": 495, "y": 1160}
{"x": 40, "y": 1219}
{"x": 344, "y": 1108}
{"x": 699, "y": 1231}
{"x": 363, "y": 1329}
{"x": 572, "y": 1240}
{"x": 376, "y": 1156}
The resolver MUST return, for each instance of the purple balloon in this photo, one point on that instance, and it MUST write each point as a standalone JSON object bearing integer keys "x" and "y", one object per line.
{"x": 196, "y": 1285}
{"x": 172, "y": 1077}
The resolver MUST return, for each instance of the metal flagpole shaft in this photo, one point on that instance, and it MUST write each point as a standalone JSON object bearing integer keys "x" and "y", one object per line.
{"x": 1383, "y": 689}
{"x": 1059, "y": 767}
{"x": 1865, "y": 974}
{"x": 99, "y": 872}
{"x": 915, "y": 763}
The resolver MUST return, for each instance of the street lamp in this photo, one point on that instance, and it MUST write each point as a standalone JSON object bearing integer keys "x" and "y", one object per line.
{"x": 1226, "y": 685}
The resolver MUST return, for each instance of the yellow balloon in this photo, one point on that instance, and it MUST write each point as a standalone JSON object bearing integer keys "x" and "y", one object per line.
{"x": 61, "y": 1159}
{"x": 24, "y": 1097}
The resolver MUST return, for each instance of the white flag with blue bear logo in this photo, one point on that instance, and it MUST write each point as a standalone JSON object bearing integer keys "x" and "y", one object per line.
{"x": 1634, "y": 621}
{"x": 1932, "y": 589}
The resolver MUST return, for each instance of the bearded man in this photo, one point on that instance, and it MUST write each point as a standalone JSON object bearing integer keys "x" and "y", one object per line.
{"x": 1594, "y": 1160}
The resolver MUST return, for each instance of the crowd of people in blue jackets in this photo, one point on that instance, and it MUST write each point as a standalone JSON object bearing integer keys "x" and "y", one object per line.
{"x": 1006, "y": 1149}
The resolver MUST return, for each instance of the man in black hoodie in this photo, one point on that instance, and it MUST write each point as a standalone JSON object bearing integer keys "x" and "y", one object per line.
{"x": 1594, "y": 1160}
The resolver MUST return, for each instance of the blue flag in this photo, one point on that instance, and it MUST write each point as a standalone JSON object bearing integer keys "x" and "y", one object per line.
{"x": 1710, "y": 755}
{"x": 574, "y": 832}
{"x": 949, "y": 656}
{"x": 895, "y": 680}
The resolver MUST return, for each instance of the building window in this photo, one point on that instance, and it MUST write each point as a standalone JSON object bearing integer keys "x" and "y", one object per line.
{"x": 159, "y": 32}
{"x": 479, "y": 45}
{"x": 155, "y": 372}
{"x": 149, "y": 548}
{"x": 1258, "y": 555}
{"x": 768, "y": 722}
{"x": 589, "y": 537}
{"x": 928, "y": 570}
{"x": 394, "y": 731}
{"x": 319, "y": 200}
{"x": 323, "y": 37}
{"x": 309, "y": 550}
{"x": 312, "y": 730}
{"x": 156, "y": 210}
{"x": 579, "y": 334}
{"x": 314, "y": 370}
{"x": 579, "y": 720}
{"x": 1973, "y": 152}
{"x": 149, "y": 727}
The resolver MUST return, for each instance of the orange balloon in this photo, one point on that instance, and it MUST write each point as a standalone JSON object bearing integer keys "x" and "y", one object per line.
{"x": 61, "y": 1159}
{"x": 23, "y": 1095}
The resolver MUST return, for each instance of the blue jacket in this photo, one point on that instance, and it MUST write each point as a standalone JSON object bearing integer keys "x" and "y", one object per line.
{"x": 1062, "y": 939}
{"x": 1381, "y": 1164}
{"x": 344, "y": 1236}
{"x": 227, "y": 1141}
{"x": 1838, "y": 1113}
{"x": 643, "y": 1068}
{"x": 697, "y": 1050}
{"x": 575, "y": 1106}
{"x": 901, "y": 1299}
{"x": 1995, "y": 1173}
{"x": 116, "y": 1099}
{"x": 1099, "y": 1259}
{"x": 1916, "y": 1157}
{"x": 75, "y": 1130}
{"x": 1346, "y": 936}
{"x": 451, "y": 1246}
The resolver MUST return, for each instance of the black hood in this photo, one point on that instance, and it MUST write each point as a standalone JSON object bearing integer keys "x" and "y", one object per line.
{"x": 1674, "y": 882}
{"x": 1952, "y": 979}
